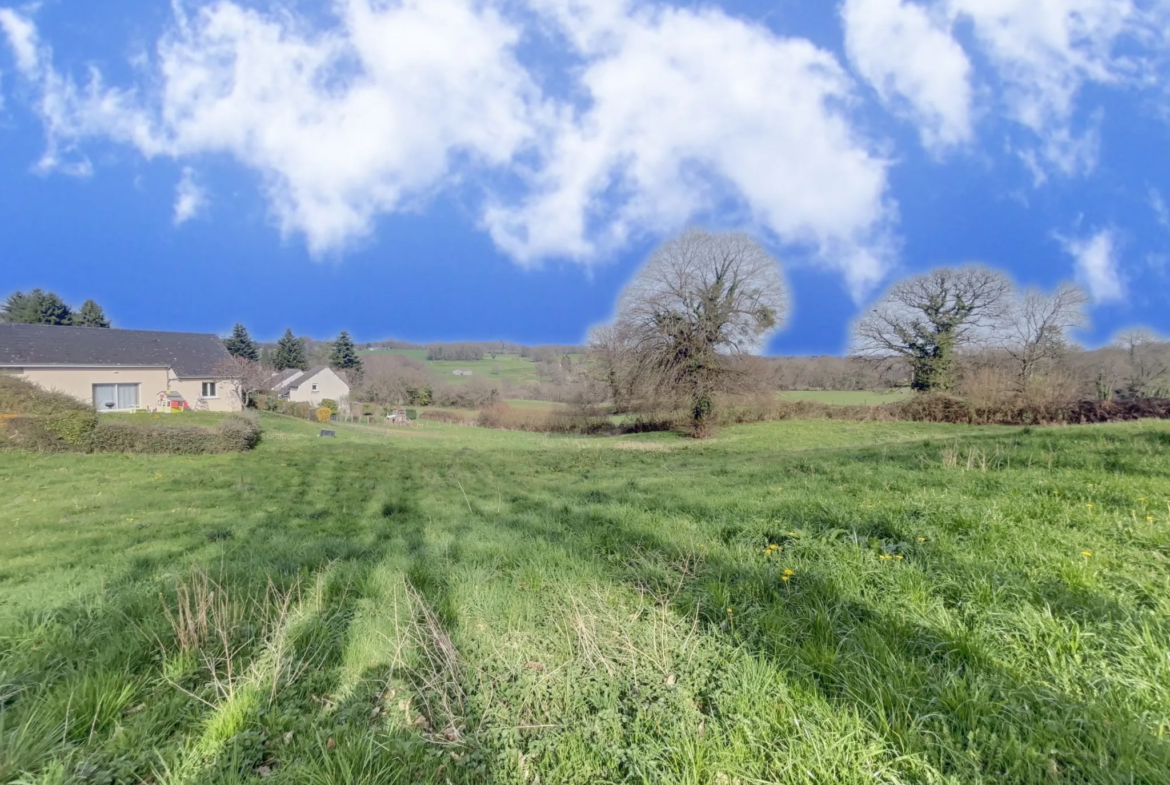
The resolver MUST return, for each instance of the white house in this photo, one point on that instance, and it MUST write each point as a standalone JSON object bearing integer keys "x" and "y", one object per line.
{"x": 312, "y": 386}
{"x": 122, "y": 370}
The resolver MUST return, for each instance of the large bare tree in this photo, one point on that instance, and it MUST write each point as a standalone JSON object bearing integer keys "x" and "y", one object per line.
{"x": 925, "y": 320}
{"x": 1148, "y": 367}
{"x": 247, "y": 377}
{"x": 1034, "y": 327}
{"x": 701, "y": 299}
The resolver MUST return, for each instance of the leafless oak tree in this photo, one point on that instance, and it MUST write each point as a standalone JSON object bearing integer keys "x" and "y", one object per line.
{"x": 248, "y": 377}
{"x": 1034, "y": 327}
{"x": 700, "y": 299}
{"x": 1149, "y": 363}
{"x": 926, "y": 319}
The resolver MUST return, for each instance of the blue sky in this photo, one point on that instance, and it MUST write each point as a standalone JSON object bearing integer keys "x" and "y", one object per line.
{"x": 459, "y": 169}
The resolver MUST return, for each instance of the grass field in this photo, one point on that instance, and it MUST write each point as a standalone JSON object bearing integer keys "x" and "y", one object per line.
{"x": 845, "y": 398}
{"x": 797, "y": 602}
{"x": 510, "y": 367}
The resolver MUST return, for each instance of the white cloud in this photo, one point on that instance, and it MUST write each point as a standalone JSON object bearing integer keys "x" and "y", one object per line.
{"x": 685, "y": 110}
{"x": 1039, "y": 55}
{"x": 343, "y": 125}
{"x": 190, "y": 198}
{"x": 1158, "y": 205}
{"x": 22, "y": 38}
{"x": 913, "y": 62}
{"x": 1096, "y": 266}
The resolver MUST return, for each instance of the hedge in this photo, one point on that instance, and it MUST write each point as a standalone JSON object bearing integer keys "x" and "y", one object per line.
{"x": 237, "y": 433}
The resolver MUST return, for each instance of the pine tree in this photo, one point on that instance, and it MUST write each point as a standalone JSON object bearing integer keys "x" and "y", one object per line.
{"x": 90, "y": 315}
{"x": 36, "y": 307}
{"x": 290, "y": 353}
{"x": 240, "y": 344}
{"x": 345, "y": 356}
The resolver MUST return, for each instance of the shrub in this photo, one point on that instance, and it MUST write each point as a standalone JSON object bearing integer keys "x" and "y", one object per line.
{"x": 54, "y": 415}
{"x": 412, "y": 414}
{"x": 237, "y": 433}
{"x": 73, "y": 427}
{"x": 330, "y": 404}
{"x": 323, "y": 414}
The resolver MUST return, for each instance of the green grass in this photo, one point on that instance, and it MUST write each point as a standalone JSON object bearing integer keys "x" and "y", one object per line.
{"x": 188, "y": 419}
{"x": 446, "y": 604}
{"x": 846, "y": 398}
{"x": 510, "y": 367}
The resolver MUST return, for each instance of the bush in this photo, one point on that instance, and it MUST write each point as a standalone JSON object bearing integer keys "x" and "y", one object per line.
{"x": 323, "y": 414}
{"x": 72, "y": 427}
{"x": 52, "y": 415}
{"x": 237, "y": 433}
{"x": 412, "y": 414}
{"x": 331, "y": 405}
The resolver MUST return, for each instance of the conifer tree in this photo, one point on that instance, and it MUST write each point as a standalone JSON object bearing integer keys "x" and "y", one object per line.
{"x": 90, "y": 315}
{"x": 36, "y": 307}
{"x": 345, "y": 356}
{"x": 240, "y": 344}
{"x": 290, "y": 353}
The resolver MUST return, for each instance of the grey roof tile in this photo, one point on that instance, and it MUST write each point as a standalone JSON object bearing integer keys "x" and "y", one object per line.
{"x": 190, "y": 355}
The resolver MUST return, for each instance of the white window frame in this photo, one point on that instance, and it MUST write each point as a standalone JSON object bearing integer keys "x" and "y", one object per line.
{"x": 116, "y": 385}
{"x": 214, "y": 390}
{"x": 316, "y": 387}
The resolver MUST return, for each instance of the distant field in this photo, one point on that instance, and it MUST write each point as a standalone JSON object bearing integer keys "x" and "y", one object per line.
{"x": 860, "y": 398}
{"x": 510, "y": 367}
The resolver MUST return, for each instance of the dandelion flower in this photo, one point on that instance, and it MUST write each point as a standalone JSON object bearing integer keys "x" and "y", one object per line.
{"x": 789, "y": 572}
{"x": 1089, "y": 505}
{"x": 731, "y": 610}
{"x": 922, "y": 539}
{"x": 784, "y": 578}
{"x": 886, "y": 557}
{"x": 1086, "y": 554}
{"x": 898, "y": 557}
{"x": 1150, "y": 518}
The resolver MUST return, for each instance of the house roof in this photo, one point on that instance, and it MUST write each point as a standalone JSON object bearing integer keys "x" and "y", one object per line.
{"x": 316, "y": 370}
{"x": 282, "y": 379}
{"x": 188, "y": 354}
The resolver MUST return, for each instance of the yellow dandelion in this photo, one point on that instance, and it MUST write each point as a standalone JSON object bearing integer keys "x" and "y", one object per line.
{"x": 922, "y": 539}
{"x": 886, "y": 557}
{"x": 1142, "y": 499}
{"x": 731, "y": 610}
{"x": 789, "y": 572}
{"x": 1150, "y": 518}
{"x": 1089, "y": 505}
{"x": 898, "y": 557}
{"x": 1086, "y": 554}
{"x": 784, "y": 578}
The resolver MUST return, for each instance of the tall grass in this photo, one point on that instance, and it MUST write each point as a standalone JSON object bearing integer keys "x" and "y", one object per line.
{"x": 806, "y": 601}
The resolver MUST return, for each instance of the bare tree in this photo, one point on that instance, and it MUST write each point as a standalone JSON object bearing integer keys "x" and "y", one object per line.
{"x": 1034, "y": 327}
{"x": 247, "y": 376}
{"x": 927, "y": 319}
{"x": 1148, "y": 356}
{"x": 701, "y": 299}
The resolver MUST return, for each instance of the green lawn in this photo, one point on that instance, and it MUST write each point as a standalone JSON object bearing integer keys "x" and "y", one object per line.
{"x": 846, "y": 398}
{"x": 206, "y": 419}
{"x": 797, "y": 602}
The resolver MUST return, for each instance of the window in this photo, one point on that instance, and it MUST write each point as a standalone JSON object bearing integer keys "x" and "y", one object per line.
{"x": 315, "y": 388}
{"x": 114, "y": 397}
{"x": 209, "y": 390}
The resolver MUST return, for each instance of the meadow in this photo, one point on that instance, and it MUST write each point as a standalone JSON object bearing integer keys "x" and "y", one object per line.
{"x": 845, "y": 397}
{"x": 796, "y": 602}
{"x": 506, "y": 367}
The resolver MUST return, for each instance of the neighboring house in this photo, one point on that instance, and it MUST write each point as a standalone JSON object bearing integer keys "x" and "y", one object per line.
{"x": 121, "y": 370}
{"x": 312, "y": 386}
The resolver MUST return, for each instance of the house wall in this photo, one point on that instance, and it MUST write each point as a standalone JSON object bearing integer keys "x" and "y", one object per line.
{"x": 329, "y": 385}
{"x": 79, "y": 382}
{"x": 227, "y": 395}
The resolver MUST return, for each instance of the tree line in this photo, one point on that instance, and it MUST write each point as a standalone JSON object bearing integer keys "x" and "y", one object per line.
{"x": 41, "y": 307}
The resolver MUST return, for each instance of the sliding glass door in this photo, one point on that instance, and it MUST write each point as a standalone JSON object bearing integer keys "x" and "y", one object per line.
{"x": 112, "y": 397}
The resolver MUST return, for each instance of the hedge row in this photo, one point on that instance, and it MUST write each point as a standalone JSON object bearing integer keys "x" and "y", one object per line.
{"x": 237, "y": 433}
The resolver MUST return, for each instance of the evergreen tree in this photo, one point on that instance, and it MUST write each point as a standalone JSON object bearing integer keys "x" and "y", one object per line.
{"x": 36, "y": 307}
{"x": 240, "y": 344}
{"x": 345, "y": 356}
{"x": 90, "y": 315}
{"x": 290, "y": 353}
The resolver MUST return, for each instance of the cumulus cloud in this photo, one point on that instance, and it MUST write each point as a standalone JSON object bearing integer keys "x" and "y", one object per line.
{"x": 915, "y": 65}
{"x": 1039, "y": 53}
{"x": 689, "y": 109}
{"x": 190, "y": 198}
{"x": 1096, "y": 266}
{"x": 671, "y": 114}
